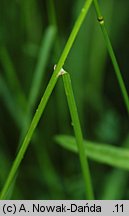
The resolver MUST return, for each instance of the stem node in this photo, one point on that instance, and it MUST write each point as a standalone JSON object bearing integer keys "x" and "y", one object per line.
{"x": 61, "y": 72}
{"x": 101, "y": 20}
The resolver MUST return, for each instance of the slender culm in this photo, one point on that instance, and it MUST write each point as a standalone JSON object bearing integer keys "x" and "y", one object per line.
{"x": 112, "y": 55}
{"x": 45, "y": 99}
{"x": 78, "y": 135}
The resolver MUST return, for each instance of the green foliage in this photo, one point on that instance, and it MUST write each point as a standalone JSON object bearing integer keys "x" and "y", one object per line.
{"x": 78, "y": 134}
{"x": 44, "y": 100}
{"x": 32, "y": 37}
{"x": 101, "y": 153}
{"x": 112, "y": 55}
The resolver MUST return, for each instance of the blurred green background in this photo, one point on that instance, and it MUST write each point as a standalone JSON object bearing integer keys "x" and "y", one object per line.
{"x": 32, "y": 36}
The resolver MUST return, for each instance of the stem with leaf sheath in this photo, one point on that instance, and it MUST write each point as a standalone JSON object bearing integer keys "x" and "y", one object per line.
{"x": 78, "y": 135}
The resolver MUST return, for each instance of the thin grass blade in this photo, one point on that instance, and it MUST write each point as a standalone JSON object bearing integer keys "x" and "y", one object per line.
{"x": 78, "y": 135}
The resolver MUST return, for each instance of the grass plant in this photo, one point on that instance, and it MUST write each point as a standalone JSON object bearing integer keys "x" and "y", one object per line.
{"x": 112, "y": 55}
{"x": 26, "y": 55}
{"x": 45, "y": 99}
{"x": 78, "y": 135}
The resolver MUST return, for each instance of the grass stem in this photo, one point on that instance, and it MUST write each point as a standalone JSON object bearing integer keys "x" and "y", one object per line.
{"x": 112, "y": 55}
{"x": 45, "y": 99}
{"x": 78, "y": 135}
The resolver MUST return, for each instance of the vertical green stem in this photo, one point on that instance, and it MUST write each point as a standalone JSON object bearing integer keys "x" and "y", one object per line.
{"x": 73, "y": 35}
{"x": 45, "y": 99}
{"x": 46, "y": 46}
{"x": 112, "y": 55}
{"x": 51, "y": 13}
{"x": 78, "y": 135}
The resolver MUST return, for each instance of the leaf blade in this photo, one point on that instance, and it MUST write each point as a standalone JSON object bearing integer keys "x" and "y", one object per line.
{"x": 102, "y": 153}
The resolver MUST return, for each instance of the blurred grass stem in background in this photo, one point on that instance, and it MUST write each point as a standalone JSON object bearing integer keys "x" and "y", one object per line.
{"x": 11, "y": 76}
{"x": 39, "y": 73}
{"x": 28, "y": 137}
